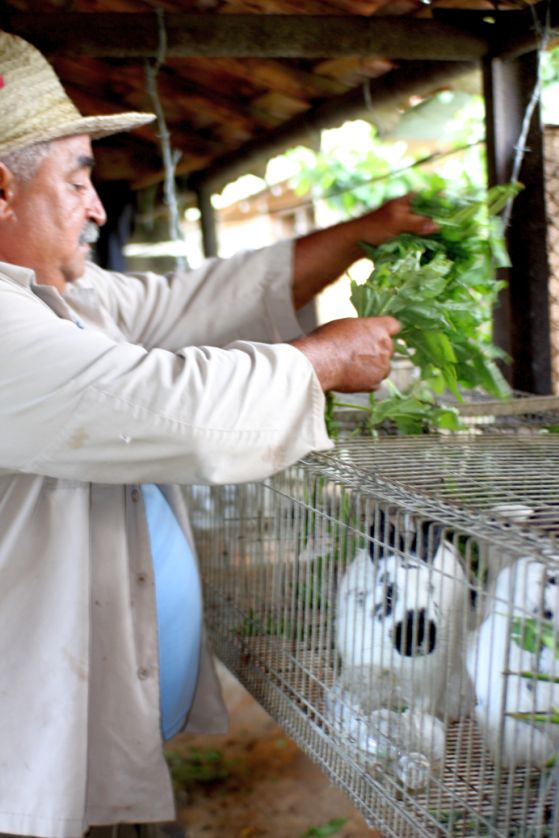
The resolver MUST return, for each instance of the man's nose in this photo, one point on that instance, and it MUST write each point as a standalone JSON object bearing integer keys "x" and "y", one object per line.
{"x": 96, "y": 210}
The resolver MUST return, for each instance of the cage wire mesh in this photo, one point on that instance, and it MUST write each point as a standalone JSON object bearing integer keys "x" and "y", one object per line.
{"x": 394, "y": 604}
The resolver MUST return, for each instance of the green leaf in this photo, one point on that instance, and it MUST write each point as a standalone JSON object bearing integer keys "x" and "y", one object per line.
{"x": 499, "y": 196}
{"x": 440, "y": 347}
{"x": 531, "y": 634}
{"x": 550, "y": 717}
{"x": 331, "y": 828}
{"x": 540, "y": 676}
{"x": 488, "y": 376}
{"x": 497, "y": 244}
{"x": 199, "y": 766}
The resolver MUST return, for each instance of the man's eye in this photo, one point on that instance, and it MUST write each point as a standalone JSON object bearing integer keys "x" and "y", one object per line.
{"x": 79, "y": 187}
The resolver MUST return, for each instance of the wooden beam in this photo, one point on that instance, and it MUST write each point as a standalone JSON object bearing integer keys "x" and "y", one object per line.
{"x": 521, "y": 325}
{"x": 135, "y": 35}
{"x": 392, "y": 90}
{"x": 522, "y": 42}
{"x": 207, "y": 221}
{"x": 515, "y": 33}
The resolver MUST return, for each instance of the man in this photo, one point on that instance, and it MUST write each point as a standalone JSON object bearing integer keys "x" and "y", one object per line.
{"x": 114, "y": 387}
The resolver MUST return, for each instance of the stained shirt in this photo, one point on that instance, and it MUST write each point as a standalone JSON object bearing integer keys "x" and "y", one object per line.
{"x": 171, "y": 381}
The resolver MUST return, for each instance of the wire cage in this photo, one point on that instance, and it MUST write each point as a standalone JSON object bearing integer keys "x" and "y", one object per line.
{"x": 393, "y": 603}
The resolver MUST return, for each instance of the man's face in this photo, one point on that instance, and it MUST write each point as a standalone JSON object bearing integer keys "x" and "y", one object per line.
{"x": 51, "y": 213}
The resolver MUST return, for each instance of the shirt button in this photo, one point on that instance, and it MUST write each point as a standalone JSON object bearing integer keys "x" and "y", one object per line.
{"x": 141, "y": 578}
{"x": 135, "y": 495}
{"x": 143, "y": 673}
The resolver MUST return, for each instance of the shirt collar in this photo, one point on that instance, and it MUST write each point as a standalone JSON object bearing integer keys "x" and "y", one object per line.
{"x": 61, "y": 304}
{"x": 23, "y": 276}
{"x": 26, "y": 277}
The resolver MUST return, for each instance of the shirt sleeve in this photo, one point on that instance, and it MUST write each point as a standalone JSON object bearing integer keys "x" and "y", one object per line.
{"x": 78, "y": 405}
{"x": 245, "y": 297}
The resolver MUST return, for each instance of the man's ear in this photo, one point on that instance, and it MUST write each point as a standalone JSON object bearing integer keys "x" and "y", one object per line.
{"x": 7, "y": 191}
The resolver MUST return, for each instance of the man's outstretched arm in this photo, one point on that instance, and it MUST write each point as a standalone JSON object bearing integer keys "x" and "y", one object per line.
{"x": 322, "y": 256}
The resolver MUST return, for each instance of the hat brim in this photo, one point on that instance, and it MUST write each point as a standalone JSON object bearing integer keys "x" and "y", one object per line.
{"x": 94, "y": 126}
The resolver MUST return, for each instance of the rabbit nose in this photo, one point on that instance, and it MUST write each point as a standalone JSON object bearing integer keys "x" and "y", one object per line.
{"x": 415, "y": 634}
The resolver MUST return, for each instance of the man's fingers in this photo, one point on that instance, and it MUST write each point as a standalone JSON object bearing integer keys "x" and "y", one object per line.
{"x": 428, "y": 226}
{"x": 375, "y": 325}
{"x": 391, "y": 325}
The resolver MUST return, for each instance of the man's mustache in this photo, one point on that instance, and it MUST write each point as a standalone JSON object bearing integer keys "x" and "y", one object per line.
{"x": 90, "y": 233}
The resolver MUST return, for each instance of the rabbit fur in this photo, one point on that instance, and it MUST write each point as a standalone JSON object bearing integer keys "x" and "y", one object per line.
{"x": 400, "y": 621}
{"x": 527, "y": 589}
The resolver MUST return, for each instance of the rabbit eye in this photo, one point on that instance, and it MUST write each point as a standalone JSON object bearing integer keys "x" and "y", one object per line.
{"x": 409, "y": 566}
{"x": 385, "y": 608}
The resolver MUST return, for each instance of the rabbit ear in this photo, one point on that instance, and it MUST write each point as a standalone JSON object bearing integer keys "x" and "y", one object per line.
{"x": 427, "y": 540}
{"x": 383, "y": 536}
{"x": 404, "y": 535}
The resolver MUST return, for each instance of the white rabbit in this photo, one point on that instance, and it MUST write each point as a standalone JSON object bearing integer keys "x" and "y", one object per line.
{"x": 526, "y": 595}
{"x": 493, "y": 556}
{"x": 400, "y": 622}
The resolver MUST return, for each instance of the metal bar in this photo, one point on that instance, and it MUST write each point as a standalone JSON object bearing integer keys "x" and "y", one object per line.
{"x": 516, "y": 407}
{"x": 521, "y": 325}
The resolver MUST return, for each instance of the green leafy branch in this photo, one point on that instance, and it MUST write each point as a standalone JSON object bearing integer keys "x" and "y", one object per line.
{"x": 442, "y": 289}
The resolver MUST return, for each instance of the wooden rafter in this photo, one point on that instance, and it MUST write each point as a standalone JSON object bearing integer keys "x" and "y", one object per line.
{"x": 411, "y": 78}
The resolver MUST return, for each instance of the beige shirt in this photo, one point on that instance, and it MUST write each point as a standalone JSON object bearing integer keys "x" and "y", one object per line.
{"x": 86, "y": 415}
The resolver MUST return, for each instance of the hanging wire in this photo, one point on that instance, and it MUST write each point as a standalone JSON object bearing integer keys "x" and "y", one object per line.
{"x": 170, "y": 156}
{"x": 543, "y": 33}
{"x": 367, "y": 96}
{"x": 422, "y": 161}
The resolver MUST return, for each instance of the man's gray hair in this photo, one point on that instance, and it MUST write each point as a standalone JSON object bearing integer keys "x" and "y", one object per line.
{"x": 23, "y": 164}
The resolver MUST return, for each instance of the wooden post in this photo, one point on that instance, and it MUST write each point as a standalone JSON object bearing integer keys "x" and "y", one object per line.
{"x": 207, "y": 219}
{"x": 521, "y": 324}
{"x": 118, "y": 201}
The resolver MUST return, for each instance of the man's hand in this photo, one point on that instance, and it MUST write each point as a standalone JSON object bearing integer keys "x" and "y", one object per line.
{"x": 351, "y": 355}
{"x": 323, "y": 256}
{"x": 391, "y": 219}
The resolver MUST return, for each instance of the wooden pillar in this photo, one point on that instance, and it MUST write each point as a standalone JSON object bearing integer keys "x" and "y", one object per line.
{"x": 118, "y": 201}
{"x": 207, "y": 219}
{"x": 521, "y": 324}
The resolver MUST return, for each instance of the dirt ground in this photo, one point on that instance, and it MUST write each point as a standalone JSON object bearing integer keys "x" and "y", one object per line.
{"x": 254, "y": 782}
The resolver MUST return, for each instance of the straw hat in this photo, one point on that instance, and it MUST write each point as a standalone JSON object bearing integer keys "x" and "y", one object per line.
{"x": 35, "y": 107}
